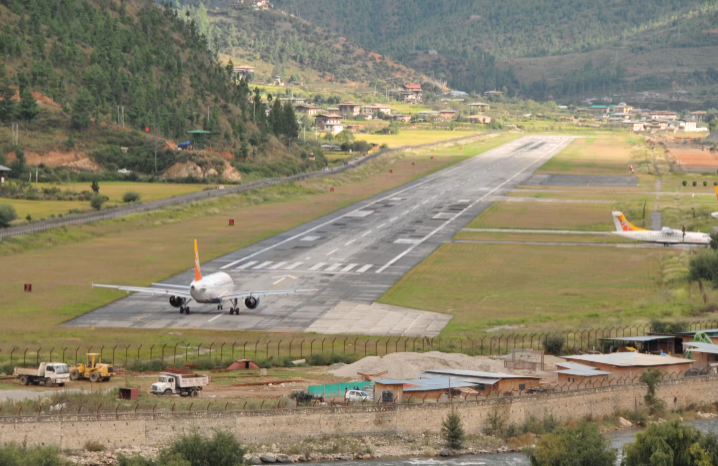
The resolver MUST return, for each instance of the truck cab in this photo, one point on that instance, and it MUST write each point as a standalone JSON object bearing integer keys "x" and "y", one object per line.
{"x": 166, "y": 385}
{"x": 169, "y": 383}
{"x": 48, "y": 373}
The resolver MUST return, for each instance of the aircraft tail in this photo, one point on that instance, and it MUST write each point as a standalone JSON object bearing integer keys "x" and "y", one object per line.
{"x": 622, "y": 224}
{"x": 716, "y": 188}
{"x": 197, "y": 272}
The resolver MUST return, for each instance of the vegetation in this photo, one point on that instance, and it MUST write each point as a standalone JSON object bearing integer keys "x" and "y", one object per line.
{"x": 95, "y": 446}
{"x": 651, "y": 378}
{"x": 670, "y": 444}
{"x": 131, "y": 196}
{"x": 583, "y": 445}
{"x": 15, "y": 455}
{"x": 553, "y": 344}
{"x": 7, "y": 215}
{"x": 194, "y": 449}
{"x": 97, "y": 201}
{"x": 659, "y": 326}
{"x": 452, "y": 431}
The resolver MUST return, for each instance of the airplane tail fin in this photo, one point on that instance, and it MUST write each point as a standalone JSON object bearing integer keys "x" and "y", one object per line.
{"x": 197, "y": 272}
{"x": 716, "y": 188}
{"x": 622, "y": 224}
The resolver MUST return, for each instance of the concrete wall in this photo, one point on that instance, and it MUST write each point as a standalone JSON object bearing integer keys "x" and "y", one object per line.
{"x": 292, "y": 425}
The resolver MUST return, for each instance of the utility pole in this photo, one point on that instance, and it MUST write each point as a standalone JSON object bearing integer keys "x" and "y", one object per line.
{"x": 15, "y": 134}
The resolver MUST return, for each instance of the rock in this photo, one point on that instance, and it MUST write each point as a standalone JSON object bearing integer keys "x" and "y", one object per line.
{"x": 267, "y": 458}
{"x": 302, "y": 458}
{"x": 623, "y": 422}
{"x": 255, "y": 460}
{"x": 45, "y": 401}
{"x": 366, "y": 456}
{"x": 283, "y": 459}
{"x": 445, "y": 452}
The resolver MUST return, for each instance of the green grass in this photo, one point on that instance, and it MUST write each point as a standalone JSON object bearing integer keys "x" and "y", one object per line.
{"x": 605, "y": 155}
{"x": 39, "y": 210}
{"x": 407, "y": 137}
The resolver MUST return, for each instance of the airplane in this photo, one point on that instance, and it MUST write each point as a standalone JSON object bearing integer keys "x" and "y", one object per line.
{"x": 210, "y": 289}
{"x": 715, "y": 214}
{"x": 666, "y": 236}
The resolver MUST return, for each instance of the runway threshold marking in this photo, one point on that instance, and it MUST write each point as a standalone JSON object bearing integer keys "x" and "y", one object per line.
{"x": 458, "y": 214}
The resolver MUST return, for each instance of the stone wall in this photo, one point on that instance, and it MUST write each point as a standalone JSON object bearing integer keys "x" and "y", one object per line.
{"x": 292, "y": 425}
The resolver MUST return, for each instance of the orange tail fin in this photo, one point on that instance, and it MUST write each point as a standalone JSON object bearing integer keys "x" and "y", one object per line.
{"x": 197, "y": 272}
{"x": 622, "y": 224}
{"x": 716, "y": 188}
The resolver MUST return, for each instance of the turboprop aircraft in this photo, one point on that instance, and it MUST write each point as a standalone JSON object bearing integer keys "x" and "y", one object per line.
{"x": 715, "y": 214}
{"x": 215, "y": 288}
{"x": 665, "y": 236}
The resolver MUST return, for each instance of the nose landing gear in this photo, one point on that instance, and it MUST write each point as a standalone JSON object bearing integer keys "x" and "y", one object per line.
{"x": 235, "y": 308}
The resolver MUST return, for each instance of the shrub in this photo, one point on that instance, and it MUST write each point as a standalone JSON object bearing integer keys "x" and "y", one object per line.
{"x": 670, "y": 443}
{"x": 7, "y": 215}
{"x": 324, "y": 359}
{"x": 659, "y": 326}
{"x": 651, "y": 378}
{"x": 695, "y": 183}
{"x": 582, "y": 445}
{"x": 452, "y": 431}
{"x": 92, "y": 445}
{"x": 155, "y": 365}
{"x": 97, "y": 201}
{"x": 495, "y": 424}
{"x": 705, "y": 183}
{"x": 131, "y": 196}
{"x": 685, "y": 183}
{"x": 222, "y": 448}
{"x": 16, "y": 455}
{"x": 553, "y": 344}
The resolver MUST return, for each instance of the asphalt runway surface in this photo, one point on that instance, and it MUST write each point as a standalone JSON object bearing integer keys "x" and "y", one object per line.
{"x": 353, "y": 256}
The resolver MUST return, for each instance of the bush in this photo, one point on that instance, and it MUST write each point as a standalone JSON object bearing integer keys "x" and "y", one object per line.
{"x": 659, "y": 326}
{"x": 155, "y": 365}
{"x": 222, "y": 448}
{"x": 131, "y": 196}
{"x": 91, "y": 445}
{"x": 685, "y": 183}
{"x": 329, "y": 359}
{"x": 452, "y": 431}
{"x": 7, "y": 215}
{"x": 705, "y": 183}
{"x": 695, "y": 183}
{"x": 670, "y": 443}
{"x": 97, "y": 201}
{"x": 553, "y": 344}
{"x": 15, "y": 455}
{"x": 582, "y": 445}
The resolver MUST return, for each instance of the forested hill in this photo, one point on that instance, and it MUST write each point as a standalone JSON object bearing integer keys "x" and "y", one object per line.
{"x": 474, "y": 43}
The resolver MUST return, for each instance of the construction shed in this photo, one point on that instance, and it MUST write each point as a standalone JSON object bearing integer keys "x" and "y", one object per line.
{"x": 488, "y": 382}
{"x": 705, "y": 355}
{"x": 632, "y": 364}
{"x": 651, "y": 344}
{"x": 582, "y": 376}
{"x": 423, "y": 388}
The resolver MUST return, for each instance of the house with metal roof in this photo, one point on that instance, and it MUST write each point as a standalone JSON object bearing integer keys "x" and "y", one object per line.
{"x": 631, "y": 363}
{"x": 582, "y": 376}
{"x": 488, "y": 382}
{"x": 654, "y": 344}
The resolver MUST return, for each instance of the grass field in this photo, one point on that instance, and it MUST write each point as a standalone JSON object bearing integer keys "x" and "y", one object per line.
{"x": 113, "y": 189}
{"x": 606, "y": 155}
{"x": 486, "y": 285}
{"x": 537, "y": 237}
{"x": 408, "y": 137}
{"x": 147, "y": 248}
{"x": 546, "y": 216}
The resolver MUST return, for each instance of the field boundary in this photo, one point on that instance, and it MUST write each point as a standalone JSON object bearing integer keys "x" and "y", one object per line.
{"x": 108, "y": 214}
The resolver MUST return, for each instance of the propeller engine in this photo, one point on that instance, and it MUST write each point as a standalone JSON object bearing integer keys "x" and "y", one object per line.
{"x": 714, "y": 215}
{"x": 177, "y": 301}
{"x": 251, "y": 302}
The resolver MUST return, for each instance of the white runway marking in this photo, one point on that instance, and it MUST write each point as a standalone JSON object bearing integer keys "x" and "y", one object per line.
{"x": 332, "y": 267}
{"x": 393, "y": 218}
{"x": 248, "y": 264}
{"x": 364, "y": 268}
{"x": 349, "y": 267}
{"x": 276, "y": 266}
{"x": 317, "y": 266}
{"x": 262, "y": 265}
{"x": 332, "y": 251}
{"x": 366, "y": 233}
{"x": 349, "y": 242}
{"x": 293, "y": 266}
{"x": 380, "y": 226}
{"x": 215, "y": 317}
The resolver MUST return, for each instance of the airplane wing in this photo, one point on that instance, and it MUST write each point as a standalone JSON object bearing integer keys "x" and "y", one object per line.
{"x": 246, "y": 294}
{"x": 154, "y": 290}
{"x": 167, "y": 285}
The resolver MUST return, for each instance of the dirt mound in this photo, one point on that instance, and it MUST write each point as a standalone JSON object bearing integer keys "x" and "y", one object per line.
{"x": 409, "y": 365}
{"x": 185, "y": 169}
{"x": 55, "y": 158}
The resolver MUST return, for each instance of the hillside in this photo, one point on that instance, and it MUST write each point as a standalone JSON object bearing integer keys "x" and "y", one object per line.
{"x": 481, "y": 45}
{"x": 90, "y": 63}
{"x": 280, "y": 44}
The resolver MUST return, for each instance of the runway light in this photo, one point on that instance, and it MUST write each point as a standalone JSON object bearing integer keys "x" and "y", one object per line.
{"x": 432, "y": 157}
{"x": 412, "y": 164}
{"x": 231, "y": 222}
{"x": 331, "y": 189}
{"x": 28, "y": 287}
{"x": 391, "y": 171}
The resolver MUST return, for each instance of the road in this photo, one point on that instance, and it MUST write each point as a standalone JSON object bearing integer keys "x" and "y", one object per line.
{"x": 353, "y": 256}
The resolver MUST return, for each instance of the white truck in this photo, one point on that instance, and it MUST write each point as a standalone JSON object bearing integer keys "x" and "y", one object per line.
{"x": 48, "y": 374}
{"x": 170, "y": 383}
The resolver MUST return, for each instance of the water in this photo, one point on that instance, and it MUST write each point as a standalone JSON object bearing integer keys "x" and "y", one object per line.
{"x": 618, "y": 439}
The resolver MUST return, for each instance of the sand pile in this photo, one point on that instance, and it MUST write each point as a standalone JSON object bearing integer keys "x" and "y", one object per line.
{"x": 408, "y": 365}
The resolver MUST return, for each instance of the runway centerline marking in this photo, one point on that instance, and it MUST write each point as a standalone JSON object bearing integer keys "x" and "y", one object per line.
{"x": 332, "y": 251}
{"x": 215, "y": 317}
{"x": 349, "y": 242}
{"x": 366, "y": 233}
{"x": 380, "y": 226}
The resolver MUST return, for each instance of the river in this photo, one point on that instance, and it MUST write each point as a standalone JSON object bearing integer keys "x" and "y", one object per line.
{"x": 618, "y": 439}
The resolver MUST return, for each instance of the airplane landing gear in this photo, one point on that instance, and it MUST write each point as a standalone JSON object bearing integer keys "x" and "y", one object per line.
{"x": 219, "y": 307}
{"x": 184, "y": 309}
{"x": 235, "y": 308}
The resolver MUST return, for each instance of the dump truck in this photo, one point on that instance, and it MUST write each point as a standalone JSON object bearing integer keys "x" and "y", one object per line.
{"x": 93, "y": 369}
{"x": 170, "y": 383}
{"x": 48, "y": 374}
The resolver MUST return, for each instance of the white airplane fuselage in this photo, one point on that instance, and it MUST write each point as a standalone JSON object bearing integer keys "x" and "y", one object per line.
{"x": 211, "y": 288}
{"x": 665, "y": 238}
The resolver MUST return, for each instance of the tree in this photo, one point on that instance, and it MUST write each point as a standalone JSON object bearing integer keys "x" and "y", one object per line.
{"x": 28, "y": 105}
{"x": 583, "y": 445}
{"x": 703, "y": 266}
{"x": 276, "y": 119}
{"x": 7, "y": 215}
{"x": 553, "y": 344}
{"x": 95, "y": 186}
{"x": 291, "y": 127}
{"x": 452, "y": 431}
{"x": 651, "y": 378}
{"x": 659, "y": 326}
{"x": 194, "y": 449}
{"x": 670, "y": 444}
{"x": 81, "y": 109}
{"x": 131, "y": 196}
{"x": 7, "y": 104}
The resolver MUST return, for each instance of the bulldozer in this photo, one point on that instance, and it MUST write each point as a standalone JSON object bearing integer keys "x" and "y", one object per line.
{"x": 92, "y": 369}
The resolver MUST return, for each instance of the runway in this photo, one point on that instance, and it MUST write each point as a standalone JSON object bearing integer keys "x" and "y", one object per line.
{"x": 353, "y": 256}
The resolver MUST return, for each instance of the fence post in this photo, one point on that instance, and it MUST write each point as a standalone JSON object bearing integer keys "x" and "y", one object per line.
{"x": 344, "y": 351}
{"x": 210, "y": 352}
{"x": 152, "y": 351}
{"x": 221, "y": 353}
{"x": 37, "y": 356}
{"x": 163, "y": 351}
{"x": 198, "y": 348}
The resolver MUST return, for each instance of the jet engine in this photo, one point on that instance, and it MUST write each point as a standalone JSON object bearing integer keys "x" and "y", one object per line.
{"x": 177, "y": 301}
{"x": 668, "y": 231}
{"x": 251, "y": 302}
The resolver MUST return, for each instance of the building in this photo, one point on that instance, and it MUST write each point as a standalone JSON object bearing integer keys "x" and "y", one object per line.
{"x": 699, "y": 115}
{"x": 494, "y": 92}
{"x": 478, "y": 106}
{"x": 293, "y": 100}
{"x": 307, "y": 109}
{"x": 632, "y": 364}
{"x": 478, "y": 119}
{"x": 663, "y": 115}
{"x": 447, "y": 114}
{"x": 375, "y": 110}
{"x": 403, "y": 117}
{"x": 690, "y": 125}
{"x": 353, "y": 128}
{"x": 705, "y": 355}
{"x": 427, "y": 115}
{"x": 487, "y": 382}
{"x": 243, "y": 71}
{"x": 600, "y": 109}
{"x": 622, "y": 108}
{"x": 411, "y": 93}
{"x": 329, "y": 122}
{"x": 349, "y": 109}
{"x": 636, "y": 125}
{"x": 653, "y": 344}
{"x": 423, "y": 388}
{"x": 588, "y": 376}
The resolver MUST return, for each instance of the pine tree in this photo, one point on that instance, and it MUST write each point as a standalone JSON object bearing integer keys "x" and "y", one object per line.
{"x": 452, "y": 432}
{"x": 7, "y": 104}
{"x": 28, "y": 105}
{"x": 291, "y": 127}
{"x": 81, "y": 109}
{"x": 276, "y": 118}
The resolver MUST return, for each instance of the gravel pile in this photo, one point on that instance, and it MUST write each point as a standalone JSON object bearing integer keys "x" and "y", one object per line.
{"x": 409, "y": 365}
